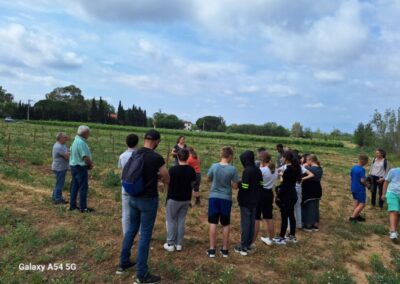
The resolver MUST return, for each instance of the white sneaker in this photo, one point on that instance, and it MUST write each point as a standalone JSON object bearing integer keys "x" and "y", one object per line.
{"x": 279, "y": 241}
{"x": 394, "y": 236}
{"x": 178, "y": 247}
{"x": 253, "y": 246}
{"x": 267, "y": 241}
{"x": 169, "y": 247}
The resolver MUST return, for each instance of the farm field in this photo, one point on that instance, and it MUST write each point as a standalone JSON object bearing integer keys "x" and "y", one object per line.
{"x": 33, "y": 230}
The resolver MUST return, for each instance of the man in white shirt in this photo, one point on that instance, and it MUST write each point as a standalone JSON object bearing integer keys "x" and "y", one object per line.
{"x": 131, "y": 141}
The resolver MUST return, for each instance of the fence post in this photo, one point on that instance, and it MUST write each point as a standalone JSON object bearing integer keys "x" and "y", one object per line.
{"x": 113, "y": 144}
{"x": 8, "y": 145}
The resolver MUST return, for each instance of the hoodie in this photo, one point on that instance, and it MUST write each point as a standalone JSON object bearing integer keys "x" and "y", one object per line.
{"x": 252, "y": 181}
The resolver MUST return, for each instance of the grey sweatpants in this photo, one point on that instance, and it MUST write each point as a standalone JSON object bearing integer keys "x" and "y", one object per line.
{"x": 176, "y": 216}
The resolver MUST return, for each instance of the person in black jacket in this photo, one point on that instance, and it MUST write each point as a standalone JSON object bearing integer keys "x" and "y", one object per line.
{"x": 248, "y": 195}
{"x": 287, "y": 197}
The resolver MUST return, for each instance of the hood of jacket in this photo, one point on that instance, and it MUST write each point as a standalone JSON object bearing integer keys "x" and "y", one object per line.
{"x": 247, "y": 158}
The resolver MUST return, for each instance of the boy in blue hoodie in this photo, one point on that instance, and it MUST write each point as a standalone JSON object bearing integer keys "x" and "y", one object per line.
{"x": 248, "y": 195}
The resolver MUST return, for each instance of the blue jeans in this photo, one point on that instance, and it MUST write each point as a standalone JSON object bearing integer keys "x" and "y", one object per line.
{"x": 143, "y": 212}
{"x": 79, "y": 183}
{"x": 247, "y": 224}
{"x": 60, "y": 181}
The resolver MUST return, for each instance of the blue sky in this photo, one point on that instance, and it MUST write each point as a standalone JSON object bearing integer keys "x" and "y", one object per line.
{"x": 327, "y": 64}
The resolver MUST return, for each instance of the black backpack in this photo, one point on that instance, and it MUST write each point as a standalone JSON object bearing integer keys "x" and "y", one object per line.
{"x": 132, "y": 175}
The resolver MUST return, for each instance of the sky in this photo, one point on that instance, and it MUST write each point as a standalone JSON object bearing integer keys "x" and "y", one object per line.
{"x": 327, "y": 64}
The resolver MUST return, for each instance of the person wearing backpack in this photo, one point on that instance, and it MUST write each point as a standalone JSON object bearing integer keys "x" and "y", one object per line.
{"x": 378, "y": 172}
{"x": 140, "y": 180}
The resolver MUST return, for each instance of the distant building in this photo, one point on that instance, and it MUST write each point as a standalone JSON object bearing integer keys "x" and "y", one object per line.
{"x": 113, "y": 116}
{"x": 187, "y": 125}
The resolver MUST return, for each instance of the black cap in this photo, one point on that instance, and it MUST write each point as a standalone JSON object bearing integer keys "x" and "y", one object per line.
{"x": 152, "y": 134}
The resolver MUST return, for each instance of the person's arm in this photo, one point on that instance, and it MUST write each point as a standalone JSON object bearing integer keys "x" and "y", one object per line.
{"x": 384, "y": 190}
{"x": 88, "y": 162}
{"x": 66, "y": 155}
{"x": 309, "y": 175}
{"x": 235, "y": 180}
{"x": 164, "y": 175}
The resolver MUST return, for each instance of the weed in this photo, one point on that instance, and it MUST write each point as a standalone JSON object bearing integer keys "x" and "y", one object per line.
{"x": 112, "y": 180}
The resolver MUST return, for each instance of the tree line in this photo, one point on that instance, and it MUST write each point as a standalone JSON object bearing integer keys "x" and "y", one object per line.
{"x": 382, "y": 131}
{"x": 68, "y": 104}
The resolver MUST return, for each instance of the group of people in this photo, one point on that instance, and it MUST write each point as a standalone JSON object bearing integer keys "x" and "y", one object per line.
{"x": 292, "y": 182}
{"x": 383, "y": 183}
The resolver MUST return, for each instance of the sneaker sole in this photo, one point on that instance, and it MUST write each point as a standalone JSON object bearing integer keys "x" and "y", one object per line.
{"x": 268, "y": 244}
{"x": 138, "y": 282}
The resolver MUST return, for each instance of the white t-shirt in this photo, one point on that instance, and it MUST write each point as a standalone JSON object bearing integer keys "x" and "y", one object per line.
{"x": 268, "y": 177}
{"x": 123, "y": 159}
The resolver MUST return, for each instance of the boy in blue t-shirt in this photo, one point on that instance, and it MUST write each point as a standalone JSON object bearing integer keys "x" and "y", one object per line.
{"x": 224, "y": 177}
{"x": 358, "y": 184}
{"x": 391, "y": 192}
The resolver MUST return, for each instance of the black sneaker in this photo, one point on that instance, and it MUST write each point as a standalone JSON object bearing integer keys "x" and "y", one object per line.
{"x": 308, "y": 229}
{"x": 361, "y": 219}
{"x": 241, "y": 250}
{"x": 224, "y": 252}
{"x": 62, "y": 201}
{"x": 73, "y": 208}
{"x": 123, "y": 269}
{"x": 148, "y": 279}
{"x": 353, "y": 220}
{"x": 87, "y": 210}
{"x": 315, "y": 228}
{"x": 211, "y": 253}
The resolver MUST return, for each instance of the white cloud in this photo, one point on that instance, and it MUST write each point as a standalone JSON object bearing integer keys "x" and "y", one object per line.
{"x": 328, "y": 77}
{"x": 33, "y": 48}
{"x": 315, "y": 105}
{"x": 280, "y": 90}
{"x": 329, "y": 40}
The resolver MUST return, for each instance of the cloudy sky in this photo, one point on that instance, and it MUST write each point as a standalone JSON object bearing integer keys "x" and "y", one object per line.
{"x": 327, "y": 64}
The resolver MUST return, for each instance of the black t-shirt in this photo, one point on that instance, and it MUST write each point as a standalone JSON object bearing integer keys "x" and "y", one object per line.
{"x": 317, "y": 171}
{"x": 152, "y": 162}
{"x": 288, "y": 186}
{"x": 176, "y": 150}
{"x": 180, "y": 185}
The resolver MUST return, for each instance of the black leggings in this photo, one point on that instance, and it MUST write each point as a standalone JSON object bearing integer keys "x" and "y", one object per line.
{"x": 376, "y": 188}
{"x": 287, "y": 212}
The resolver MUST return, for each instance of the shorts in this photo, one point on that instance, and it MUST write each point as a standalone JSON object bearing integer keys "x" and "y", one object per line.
{"x": 196, "y": 183}
{"x": 393, "y": 201}
{"x": 219, "y": 211}
{"x": 359, "y": 196}
{"x": 265, "y": 205}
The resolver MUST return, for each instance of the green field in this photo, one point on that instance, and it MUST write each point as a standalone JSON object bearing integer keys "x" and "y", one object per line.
{"x": 33, "y": 230}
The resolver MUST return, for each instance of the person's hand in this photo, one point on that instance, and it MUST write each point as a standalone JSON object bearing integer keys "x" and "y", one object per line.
{"x": 381, "y": 180}
{"x": 91, "y": 166}
{"x": 383, "y": 197}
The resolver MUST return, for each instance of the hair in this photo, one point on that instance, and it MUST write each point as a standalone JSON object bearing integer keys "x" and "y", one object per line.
{"x": 183, "y": 155}
{"x": 272, "y": 167}
{"x": 305, "y": 156}
{"x": 82, "y": 129}
{"x": 179, "y": 138}
{"x": 280, "y": 146}
{"x": 314, "y": 159}
{"x": 59, "y": 135}
{"x": 383, "y": 152}
{"x": 226, "y": 152}
{"x": 132, "y": 140}
{"x": 363, "y": 158}
{"x": 261, "y": 149}
{"x": 294, "y": 160}
{"x": 265, "y": 157}
{"x": 193, "y": 152}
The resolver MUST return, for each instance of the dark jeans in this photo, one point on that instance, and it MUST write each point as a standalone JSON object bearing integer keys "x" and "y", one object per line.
{"x": 376, "y": 187}
{"x": 143, "y": 213}
{"x": 287, "y": 211}
{"x": 60, "y": 181}
{"x": 247, "y": 224}
{"x": 79, "y": 183}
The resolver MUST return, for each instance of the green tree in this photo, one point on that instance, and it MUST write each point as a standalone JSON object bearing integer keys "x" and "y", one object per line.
{"x": 297, "y": 130}
{"x": 211, "y": 123}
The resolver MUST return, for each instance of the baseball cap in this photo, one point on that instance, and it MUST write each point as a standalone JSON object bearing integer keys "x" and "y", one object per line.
{"x": 152, "y": 135}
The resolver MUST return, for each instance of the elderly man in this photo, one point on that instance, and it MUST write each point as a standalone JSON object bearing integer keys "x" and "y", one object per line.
{"x": 80, "y": 162}
{"x": 60, "y": 166}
